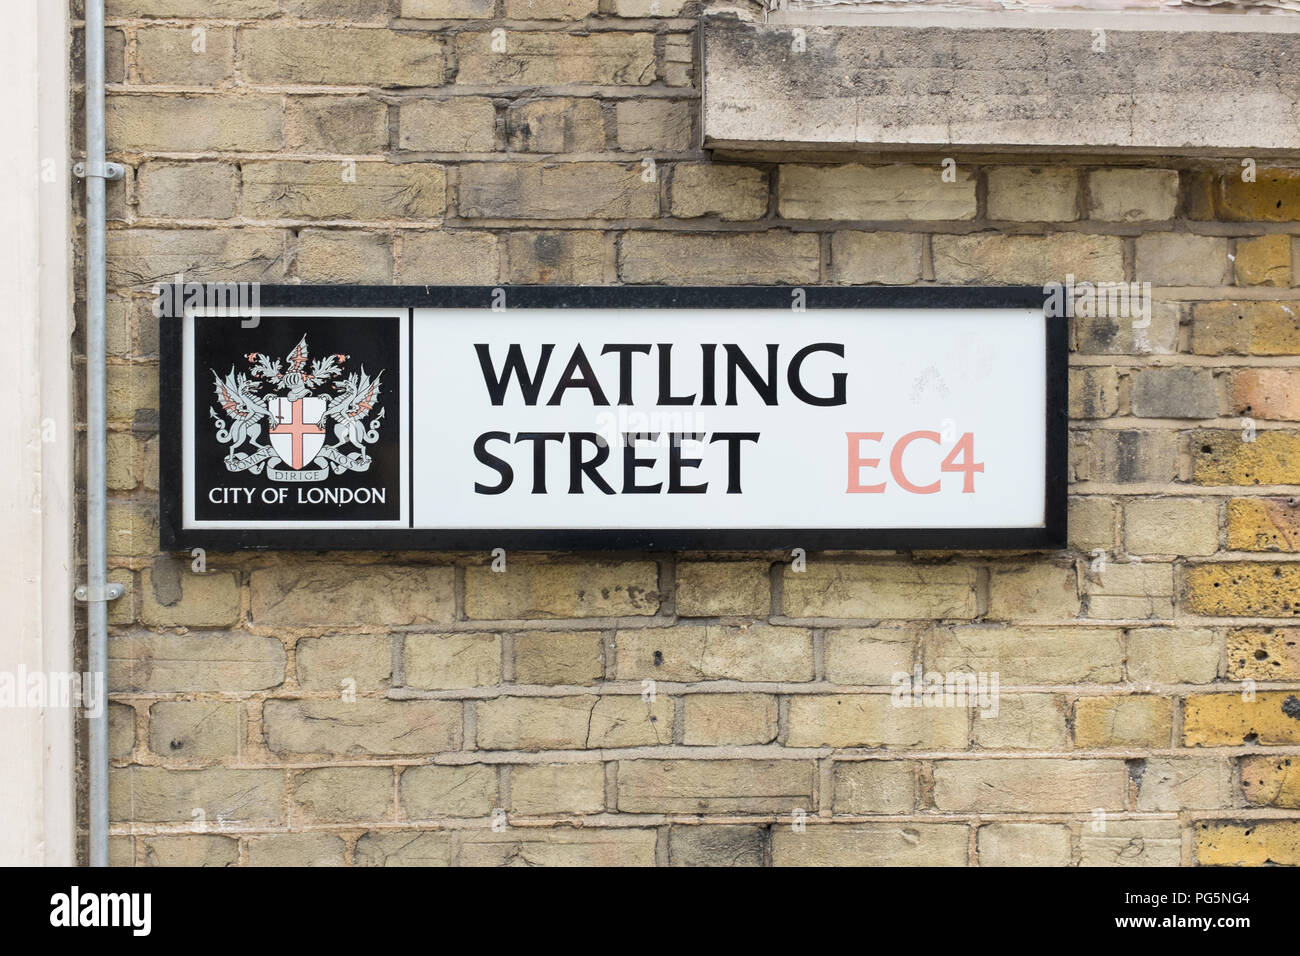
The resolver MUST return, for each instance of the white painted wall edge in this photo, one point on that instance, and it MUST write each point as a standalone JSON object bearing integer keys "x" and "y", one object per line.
{"x": 37, "y": 787}
{"x": 912, "y": 15}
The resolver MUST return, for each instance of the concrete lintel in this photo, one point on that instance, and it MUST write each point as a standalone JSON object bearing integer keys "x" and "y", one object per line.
{"x": 1015, "y": 89}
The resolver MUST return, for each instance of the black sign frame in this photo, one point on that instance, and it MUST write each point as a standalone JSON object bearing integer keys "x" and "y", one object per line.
{"x": 1051, "y": 536}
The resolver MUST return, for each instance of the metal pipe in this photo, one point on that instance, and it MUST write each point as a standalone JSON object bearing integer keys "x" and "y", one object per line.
{"x": 96, "y": 534}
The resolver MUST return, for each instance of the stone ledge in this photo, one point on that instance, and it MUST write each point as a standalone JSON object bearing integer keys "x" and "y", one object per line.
{"x": 1204, "y": 93}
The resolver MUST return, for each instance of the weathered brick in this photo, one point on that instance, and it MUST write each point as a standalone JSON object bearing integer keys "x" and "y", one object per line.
{"x": 347, "y": 125}
{"x": 1271, "y": 393}
{"x": 405, "y": 848}
{"x": 1033, "y": 592}
{"x": 653, "y": 125}
{"x": 1272, "y": 718}
{"x": 621, "y": 588}
{"x": 196, "y": 730}
{"x": 141, "y": 257}
{"x": 1245, "y": 328}
{"x": 347, "y": 593}
{"x": 132, "y": 528}
{"x": 556, "y": 191}
{"x": 888, "y": 258}
{"x": 1125, "y": 457}
{"x": 1023, "y": 844}
{"x": 295, "y": 849}
{"x": 437, "y": 661}
{"x": 354, "y": 10}
{"x": 1184, "y": 783}
{"x": 341, "y": 56}
{"x": 872, "y": 844}
{"x": 570, "y": 258}
{"x": 1033, "y": 194}
{"x": 724, "y": 190}
{"x": 1264, "y": 524}
{"x": 563, "y": 847}
{"x": 186, "y": 190}
{"x": 234, "y": 9}
{"x": 868, "y": 655}
{"x": 1174, "y": 393}
{"x": 756, "y": 652}
{"x": 1132, "y": 195}
{"x": 648, "y": 8}
{"x": 1248, "y": 843}
{"x": 543, "y": 789}
{"x": 176, "y": 122}
{"x": 342, "y": 256}
{"x": 1034, "y": 260}
{"x": 573, "y": 723}
{"x": 1271, "y": 781}
{"x": 129, "y": 388}
{"x": 452, "y": 124}
{"x": 431, "y": 792}
{"x": 1179, "y": 526}
{"x": 325, "y": 663}
{"x": 1273, "y": 196}
{"x": 121, "y": 730}
{"x": 1137, "y": 721}
{"x": 1155, "y": 333}
{"x": 198, "y": 850}
{"x": 1131, "y": 843}
{"x": 730, "y": 845}
{"x": 730, "y": 259}
{"x": 555, "y": 124}
{"x": 714, "y": 786}
{"x": 1094, "y": 392}
{"x": 1243, "y": 589}
{"x": 559, "y": 657}
{"x": 1027, "y": 785}
{"x": 723, "y": 719}
{"x": 1174, "y": 258}
{"x": 873, "y": 193}
{"x": 679, "y": 58}
{"x": 1133, "y": 590}
{"x": 1226, "y": 458}
{"x": 873, "y": 720}
{"x": 362, "y": 726}
{"x": 192, "y": 663}
{"x": 448, "y": 9}
{"x": 549, "y": 59}
{"x": 1265, "y": 260}
{"x": 1092, "y": 524}
{"x": 1023, "y": 722}
{"x": 1029, "y": 655}
{"x": 549, "y": 9}
{"x": 1264, "y": 653}
{"x": 343, "y": 793}
{"x": 906, "y": 591}
{"x": 447, "y": 258}
{"x": 175, "y": 55}
{"x": 874, "y": 786}
{"x": 174, "y": 597}
{"x": 720, "y": 588}
{"x": 162, "y": 795}
{"x": 1175, "y": 655}
{"x": 319, "y": 190}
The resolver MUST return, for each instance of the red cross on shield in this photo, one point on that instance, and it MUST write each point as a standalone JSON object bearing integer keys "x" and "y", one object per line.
{"x": 296, "y": 436}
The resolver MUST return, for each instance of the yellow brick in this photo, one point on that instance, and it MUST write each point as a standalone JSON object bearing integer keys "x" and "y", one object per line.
{"x": 535, "y": 58}
{"x": 1140, "y": 721}
{"x": 1029, "y": 655}
{"x": 885, "y": 590}
{"x": 546, "y": 789}
{"x": 573, "y": 723}
{"x": 1223, "y": 458}
{"x": 868, "y": 655}
{"x": 1173, "y": 655}
{"x": 1249, "y": 843}
{"x": 874, "y": 786}
{"x": 340, "y": 56}
{"x": 319, "y": 190}
{"x": 180, "y": 598}
{"x": 431, "y": 792}
{"x": 344, "y": 794}
{"x": 361, "y": 727}
{"x": 562, "y": 590}
{"x": 756, "y": 652}
{"x": 1243, "y": 589}
{"x": 1027, "y": 785}
{"x": 1263, "y": 261}
{"x": 1023, "y": 844}
{"x": 1271, "y": 781}
{"x": 714, "y": 786}
{"x": 559, "y": 657}
{"x": 439, "y": 661}
{"x": 383, "y": 595}
{"x": 872, "y": 844}
{"x": 1177, "y": 526}
{"x": 1264, "y": 524}
{"x": 1246, "y": 328}
{"x": 1264, "y": 653}
{"x": 1272, "y": 718}
{"x": 1034, "y": 592}
{"x": 1023, "y": 722}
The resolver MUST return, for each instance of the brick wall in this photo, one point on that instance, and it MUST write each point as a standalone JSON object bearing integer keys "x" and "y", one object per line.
{"x": 378, "y": 708}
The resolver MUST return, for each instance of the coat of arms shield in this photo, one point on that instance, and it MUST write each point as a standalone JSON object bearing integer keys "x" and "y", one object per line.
{"x": 297, "y": 435}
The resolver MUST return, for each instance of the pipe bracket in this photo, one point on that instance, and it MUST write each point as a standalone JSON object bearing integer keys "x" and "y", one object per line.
{"x": 111, "y": 592}
{"x": 104, "y": 171}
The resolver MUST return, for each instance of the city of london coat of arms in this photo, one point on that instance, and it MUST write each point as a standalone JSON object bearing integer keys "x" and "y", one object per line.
{"x": 297, "y": 422}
